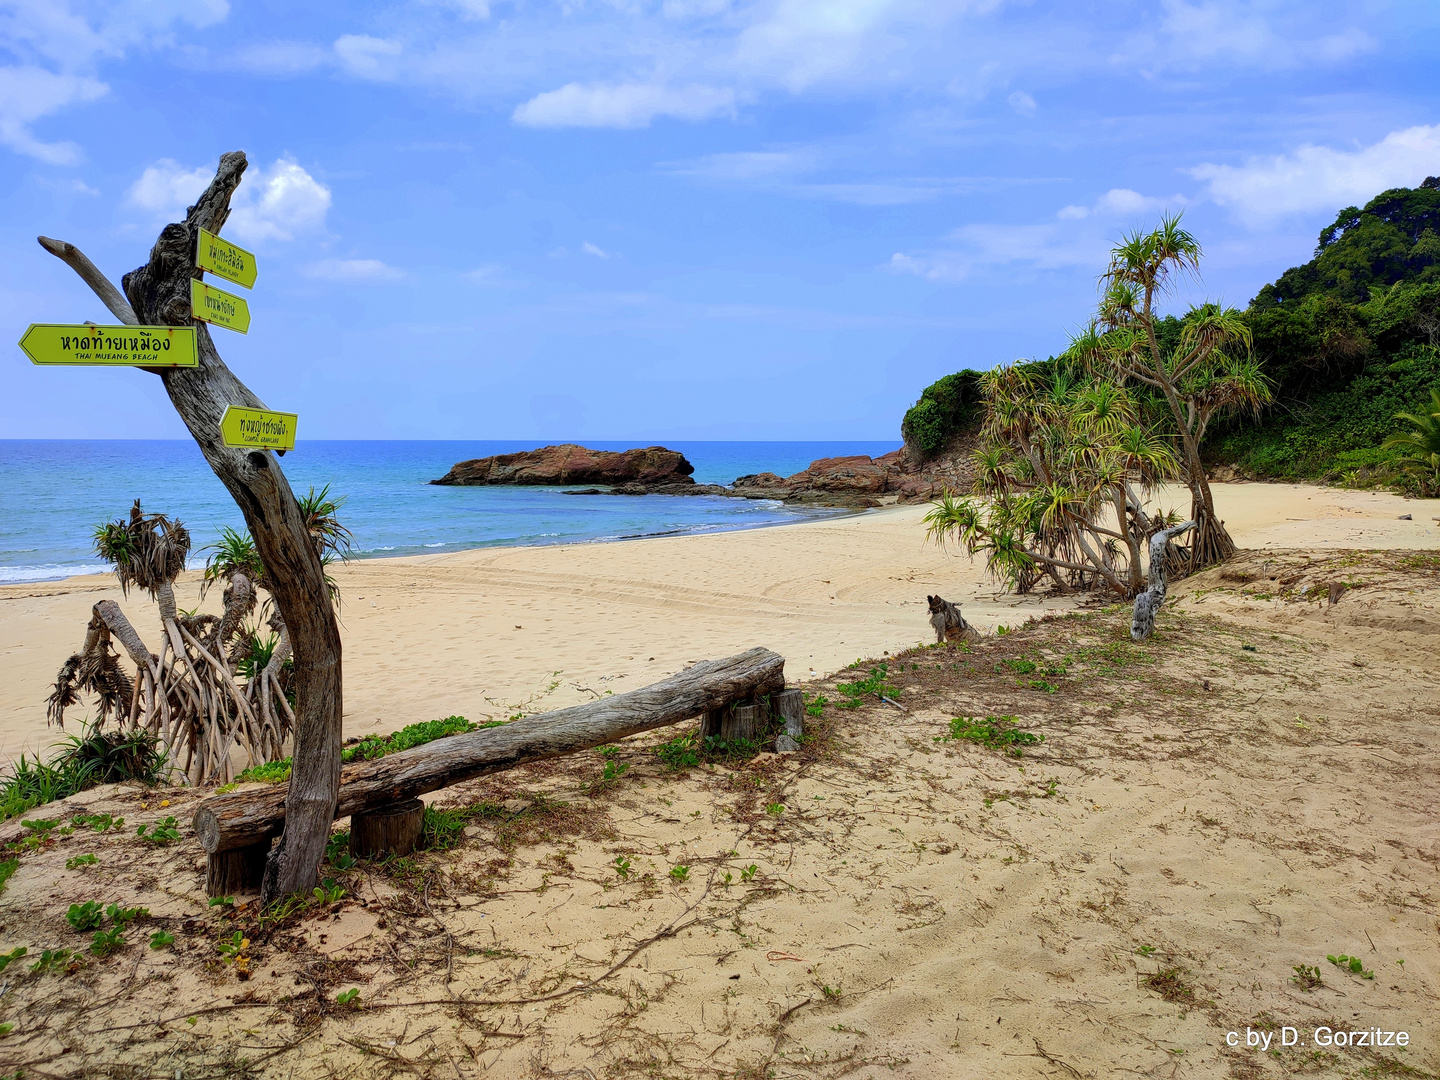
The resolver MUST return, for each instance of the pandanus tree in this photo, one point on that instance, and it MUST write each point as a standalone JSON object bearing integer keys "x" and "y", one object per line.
{"x": 158, "y": 294}
{"x": 1209, "y": 371}
{"x": 185, "y": 693}
{"x": 236, "y": 561}
{"x": 1063, "y": 470}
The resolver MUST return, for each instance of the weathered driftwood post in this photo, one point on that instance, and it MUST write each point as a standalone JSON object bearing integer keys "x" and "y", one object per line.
{"x": 158, "y": 294}
{"x": 790, "y": 707}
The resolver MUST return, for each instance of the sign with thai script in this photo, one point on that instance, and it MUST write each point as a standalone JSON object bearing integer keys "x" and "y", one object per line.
{"x": 224, "y": 258}
{"x": 258, "y": 428}
{"x": 219, "y": 307}
{"x": 137, "y": 346}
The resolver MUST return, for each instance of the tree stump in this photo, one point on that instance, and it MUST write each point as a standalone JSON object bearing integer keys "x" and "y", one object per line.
{"x": 710, "y": 724}
{"x": 789, "y": 705}
{"x": 741, "y": 722}
{"x": 237, "y": 870}
{"x": 390, "y": 830}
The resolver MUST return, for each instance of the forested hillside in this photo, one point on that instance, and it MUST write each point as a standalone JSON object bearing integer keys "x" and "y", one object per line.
{"x": 1345, "y": 341}
{"x": 1348, "y": 340}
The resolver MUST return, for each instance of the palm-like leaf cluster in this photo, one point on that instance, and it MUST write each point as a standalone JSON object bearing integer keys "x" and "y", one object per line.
{"x": 1420, "y": 446}
{"x": 1209, "y": 371}
{"x": 1066, "y": 461}
{"x": 215, "y": 683}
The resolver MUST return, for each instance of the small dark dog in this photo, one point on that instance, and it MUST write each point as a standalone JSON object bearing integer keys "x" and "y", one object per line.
{"x": 949, "y": 624}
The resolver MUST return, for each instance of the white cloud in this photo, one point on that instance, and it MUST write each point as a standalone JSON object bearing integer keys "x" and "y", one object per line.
{"x": 980, "y": 247}
{"x": 489, "y": 274}
{"x": 466, "y": 9}
{"x": 270, "y": 204}
{"x": 627, "y": 105}
{"x": 792, "y": 171}
{"x": 1121, "y": 203}
{"x": 57, "y": 50}
{"x": 1318, "y": 178}
{"x": 1022, "y": 103}
{"x": 591, "y": 249}
{"x": 278, "y": 203}
{"x": 748, "y": 165}
{"x": 166, "y": 189}
{"x": 1245, "y": 33}
{"x": 28, "y": 94}
{"x": 283, "y": 58}
{"x": 368, "y": 57}
{"x": 352, "y": 271}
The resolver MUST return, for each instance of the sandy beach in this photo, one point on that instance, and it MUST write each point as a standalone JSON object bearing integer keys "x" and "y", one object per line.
{"x": 487, "y": 633}
{"x": 1198, "y": 822}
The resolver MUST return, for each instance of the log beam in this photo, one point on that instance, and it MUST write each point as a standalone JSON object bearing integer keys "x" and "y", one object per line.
{"x": 241, "y": 818}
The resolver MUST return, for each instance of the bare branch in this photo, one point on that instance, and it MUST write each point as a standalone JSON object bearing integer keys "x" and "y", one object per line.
{"x": 89, "y": 273}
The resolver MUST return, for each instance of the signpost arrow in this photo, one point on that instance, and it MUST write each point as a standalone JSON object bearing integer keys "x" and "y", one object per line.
{"x": 136, "y": 346}
{"x": 224, "y": 258}
{"x": 258, "y": 428}
{"x": 219, "y": 307}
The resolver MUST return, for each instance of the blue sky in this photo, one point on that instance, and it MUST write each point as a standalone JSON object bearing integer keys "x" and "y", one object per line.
{"x": 671, "y": 218}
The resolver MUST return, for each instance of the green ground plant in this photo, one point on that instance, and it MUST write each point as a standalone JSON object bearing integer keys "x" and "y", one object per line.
{"x": 993, "y": 733}
{"x": 164, "y": 831}
{"x": 441, "y": 829}
{"x": 375, "y": 746}
{"x": 857, "y": 691}
{"x": 86, "y": 916}
{"x": 80, "y": 762}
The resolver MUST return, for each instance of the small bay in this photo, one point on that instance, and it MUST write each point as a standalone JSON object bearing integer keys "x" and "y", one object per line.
{"x": 54, "y": 492}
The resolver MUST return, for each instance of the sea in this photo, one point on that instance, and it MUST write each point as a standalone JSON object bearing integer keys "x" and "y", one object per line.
{"x": 53, "y": 494}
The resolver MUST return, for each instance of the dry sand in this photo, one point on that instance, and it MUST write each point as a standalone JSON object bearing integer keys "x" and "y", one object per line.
{"x": 1252, "y": 789}
{"x": 487, "y": 633}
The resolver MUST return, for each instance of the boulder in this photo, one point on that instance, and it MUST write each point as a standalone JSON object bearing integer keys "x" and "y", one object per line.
{"x": 862, "y": 481}
{"x": 649, "y": 468}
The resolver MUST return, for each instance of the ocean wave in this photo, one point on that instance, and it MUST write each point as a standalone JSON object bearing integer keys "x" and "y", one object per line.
{"x": 15, "y": 575}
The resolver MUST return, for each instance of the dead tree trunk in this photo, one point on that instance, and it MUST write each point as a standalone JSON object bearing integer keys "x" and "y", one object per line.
{"x": 159, "y": 295}
{"x": 225, "y": 822}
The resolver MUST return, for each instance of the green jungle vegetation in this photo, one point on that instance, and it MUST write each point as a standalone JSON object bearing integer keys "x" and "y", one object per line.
{"x": 1349, "y": 344}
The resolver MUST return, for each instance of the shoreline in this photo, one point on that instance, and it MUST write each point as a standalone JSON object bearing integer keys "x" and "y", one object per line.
{"x": 487, "y": 632}
{"x": 804, "y": 515}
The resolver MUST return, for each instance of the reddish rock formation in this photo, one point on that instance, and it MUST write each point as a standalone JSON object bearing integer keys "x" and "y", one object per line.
{"x": 570, "y": 464}
{"x": 897, "y": 477}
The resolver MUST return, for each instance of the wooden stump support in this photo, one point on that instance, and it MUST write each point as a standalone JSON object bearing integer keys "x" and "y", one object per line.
{"x": 248, "y": 819}
{"x": 789, "y": 705}
{"x": 390, "y": 830}
{"x": 237, "y": 870}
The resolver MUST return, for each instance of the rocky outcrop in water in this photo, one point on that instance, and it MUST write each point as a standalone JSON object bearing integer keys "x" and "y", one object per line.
{"x": 897, "y": 477}
{"x": 647, "y": 469}
{"x": 858, "y": 482}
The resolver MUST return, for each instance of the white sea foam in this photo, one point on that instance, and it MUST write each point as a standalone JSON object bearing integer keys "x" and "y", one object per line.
{"x": 14, "y": 575}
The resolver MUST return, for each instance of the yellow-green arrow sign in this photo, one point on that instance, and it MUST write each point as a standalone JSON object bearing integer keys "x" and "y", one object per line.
{"x": 141, "y": 346}
{"x": 224, "y": 258}
{"x": 219, "y": 307}
{"x": 258, "y": 428}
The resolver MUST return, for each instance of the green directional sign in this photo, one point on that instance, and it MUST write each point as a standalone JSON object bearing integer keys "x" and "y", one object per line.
{"x": 224, "y": 258}
{"x": 258, "y": 428}
{"x": 137, "y": 346}
{"x": 219, "y": 307}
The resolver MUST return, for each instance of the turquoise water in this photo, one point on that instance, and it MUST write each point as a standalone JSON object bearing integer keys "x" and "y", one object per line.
{"x": 54, "y": 492}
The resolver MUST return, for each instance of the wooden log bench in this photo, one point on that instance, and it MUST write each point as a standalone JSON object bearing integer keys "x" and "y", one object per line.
{"x": 735, "y": 695}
